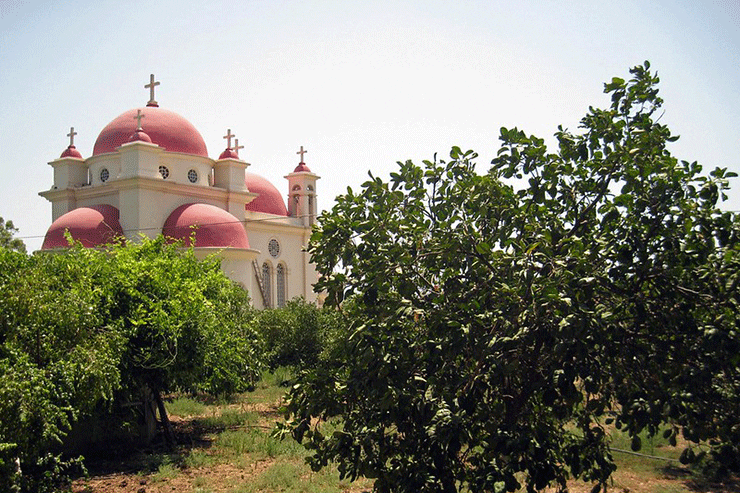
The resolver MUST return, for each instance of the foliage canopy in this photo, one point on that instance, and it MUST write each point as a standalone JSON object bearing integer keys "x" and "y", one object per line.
{"x": 499, "y": 321}
{"x": 7, "y": 236}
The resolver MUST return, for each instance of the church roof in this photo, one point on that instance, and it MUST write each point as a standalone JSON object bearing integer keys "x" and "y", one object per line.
{"x": 92, "y": 226}
{"x": 269, "y": 201}
{"x": 210, "y": 225}
{"x": 165, "y": 128}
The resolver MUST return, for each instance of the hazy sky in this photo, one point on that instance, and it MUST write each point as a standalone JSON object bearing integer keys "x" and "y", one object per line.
{"x": 360, "y": 85}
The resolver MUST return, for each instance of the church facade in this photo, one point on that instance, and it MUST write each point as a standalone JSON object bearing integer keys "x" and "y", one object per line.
{"x": 150, "y": 174}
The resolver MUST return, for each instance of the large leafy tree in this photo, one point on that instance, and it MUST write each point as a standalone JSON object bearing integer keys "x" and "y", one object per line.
{"x": 7, "y": 236}
{"x": 499, "y": 322}
{"x": 80, "y": 327}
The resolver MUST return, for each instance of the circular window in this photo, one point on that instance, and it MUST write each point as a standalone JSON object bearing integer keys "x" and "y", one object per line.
{"x": 104, "y": 174}
{"x": 273, "y": 247}
{"x": 164, "y": 172}
{"x": 192, "y": 176}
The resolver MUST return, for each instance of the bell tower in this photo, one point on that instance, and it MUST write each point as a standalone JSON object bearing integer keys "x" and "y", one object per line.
{"x": 302, "y": 192}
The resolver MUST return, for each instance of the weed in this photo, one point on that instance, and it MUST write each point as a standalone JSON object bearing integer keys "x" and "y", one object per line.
{"x": 185, "y": 407}
{"x": 257, "y": 442}
{"x": 200, "y": 484}
{"x": 164, "y": 472}
{"x": 230, "y": 418}
{"x": 198, "y": 458}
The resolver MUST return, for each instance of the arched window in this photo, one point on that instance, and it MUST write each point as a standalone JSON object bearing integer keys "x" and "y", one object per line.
{"x": 294, "y": 206}
{"x": 311, "y": 204}
{"x": 296, "y": 198}
{"x": 266, "y": 284}
{"x": 280, "y": 284}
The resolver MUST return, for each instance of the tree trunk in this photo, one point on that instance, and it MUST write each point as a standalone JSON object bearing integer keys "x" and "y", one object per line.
{"x": 169, "y": 434}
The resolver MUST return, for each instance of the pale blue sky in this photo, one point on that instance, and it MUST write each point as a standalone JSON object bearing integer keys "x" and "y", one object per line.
{"x": 359, "y": 84}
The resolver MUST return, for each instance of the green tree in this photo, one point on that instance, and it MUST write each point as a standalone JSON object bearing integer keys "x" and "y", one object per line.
{"x": 80, "y": 327}
{"x": 499, "y": 321}
{"x": 7, "y": 233}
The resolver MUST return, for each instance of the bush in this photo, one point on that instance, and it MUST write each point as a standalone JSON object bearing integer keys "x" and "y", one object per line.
{"x": 297, "y": 334}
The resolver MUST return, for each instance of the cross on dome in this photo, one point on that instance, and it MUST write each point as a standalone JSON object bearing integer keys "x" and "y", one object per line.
{"x": 228, "y": 137}
{"x": 138, "y": 117}
{"x": 237, "y": 146}
{"x": 301, "y": 152}
{"x": 71, "y": 136}
{"x": 152, "y": 84}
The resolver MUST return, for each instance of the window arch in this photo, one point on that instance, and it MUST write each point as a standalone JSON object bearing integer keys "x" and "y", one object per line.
{"x": 294, "y": 205}
{"x": 280, "y": 284}
{"x": 267, "y": 284}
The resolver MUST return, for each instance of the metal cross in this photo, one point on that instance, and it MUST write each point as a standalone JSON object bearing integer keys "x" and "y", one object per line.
{"x": 151, "y": 87}
{"x": 237, "y": 146}
{"x": 138, "y": 117}
{"x": 228, "y": 137}
{"x": 301, "y": 152}
{"x": 71, "y": 136}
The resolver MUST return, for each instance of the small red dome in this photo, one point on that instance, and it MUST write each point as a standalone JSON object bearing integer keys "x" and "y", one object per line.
{"x": 269, "y": 200}
{"x": 71, "y": 151}
{"x": 301, "y": 167}
{"x": 92, "y": 226}
{"x": 229, "y": 153}
{"x": 140, "y": 136}
{"x": 212, "y": 227}
{"x": 165, "y": 128}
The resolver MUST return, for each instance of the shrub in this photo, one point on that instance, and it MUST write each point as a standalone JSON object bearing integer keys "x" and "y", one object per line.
{"x": 297, "y": 334}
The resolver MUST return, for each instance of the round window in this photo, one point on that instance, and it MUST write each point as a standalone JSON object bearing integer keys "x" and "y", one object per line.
{"x": 164, "y": 172}
{"x": 104, "y": 174}
{"x": 192, "y": 176}
{"x": 273, "y": 247}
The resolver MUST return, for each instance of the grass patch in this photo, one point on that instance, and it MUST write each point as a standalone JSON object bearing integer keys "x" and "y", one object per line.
{"x": 164, "y": 472}
{"x": 280, "y": 377}
{"x": 282, "y": 476}
{"x": 230, "y": 418}
{"x": 259, "y": 443}
{"x": 296, "y": 477}
{"x": 184, "y": 407}
{"x": 198, "y": 458}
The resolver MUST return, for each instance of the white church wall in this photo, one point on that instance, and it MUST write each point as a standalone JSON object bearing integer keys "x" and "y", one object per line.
{"x": 96, "y": 164}
{"x": 139, "y": 159}
{"x": 180, "y": 167}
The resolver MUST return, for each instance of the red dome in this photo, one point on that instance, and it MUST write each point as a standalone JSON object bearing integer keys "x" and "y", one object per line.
{"x": 140, "y": 136}
{"x": 165, "y": 128}
{"x": 301, "y": 168}
{"x": 212, "y": 226}
{"x": 71, "y": 151}
{"x": 92, "y": 226}
{"x": 269, "y": 200}
{"x": 229, "y": 154}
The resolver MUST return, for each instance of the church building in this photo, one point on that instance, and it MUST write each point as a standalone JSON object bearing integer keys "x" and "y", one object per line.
{"x": 150, "y": 174}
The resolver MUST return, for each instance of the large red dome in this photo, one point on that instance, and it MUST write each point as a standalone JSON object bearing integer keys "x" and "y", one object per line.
{"x": 166, "y": 129}
{"x": 212, "y": 227}
{"x": 92, "y": 226}
{"x": 269, "y": 200}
